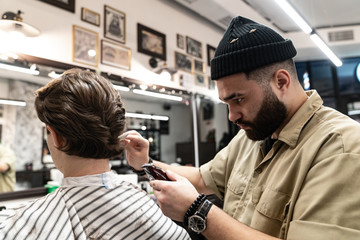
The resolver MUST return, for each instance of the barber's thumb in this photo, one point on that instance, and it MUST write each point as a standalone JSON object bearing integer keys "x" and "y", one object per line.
{"x": 173, "y": 176}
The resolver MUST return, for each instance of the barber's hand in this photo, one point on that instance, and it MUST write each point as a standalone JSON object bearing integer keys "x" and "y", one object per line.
{"x": 136, "y": 148}
{"x": 174, "y": 197}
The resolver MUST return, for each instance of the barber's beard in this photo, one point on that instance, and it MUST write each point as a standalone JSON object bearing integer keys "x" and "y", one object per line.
{"x": 271, "y": 115}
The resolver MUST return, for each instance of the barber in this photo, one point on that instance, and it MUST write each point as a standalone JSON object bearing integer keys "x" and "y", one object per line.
{"x": 291, "y": 172}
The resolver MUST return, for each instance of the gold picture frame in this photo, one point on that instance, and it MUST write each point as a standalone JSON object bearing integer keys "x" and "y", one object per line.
{"x": 85, "y": 46}
{"x": 115, "y": 55}
{"x": 90, "y": 16}
{"x": 199, "y": 66}
{"x": 200, "y": 80}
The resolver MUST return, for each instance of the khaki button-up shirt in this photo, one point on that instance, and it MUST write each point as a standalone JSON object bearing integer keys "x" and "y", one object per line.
{"x": 306, "y": 187}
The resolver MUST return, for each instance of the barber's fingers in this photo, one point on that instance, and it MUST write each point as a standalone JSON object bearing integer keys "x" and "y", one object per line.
{"x": 134, "y": 140}
{"x": 173, "y": 176}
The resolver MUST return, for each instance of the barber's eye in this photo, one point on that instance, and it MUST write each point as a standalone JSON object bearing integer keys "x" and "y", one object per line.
{"x": 238, "y": 100}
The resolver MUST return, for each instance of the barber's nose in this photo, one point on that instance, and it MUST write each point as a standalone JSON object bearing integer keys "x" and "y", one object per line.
{"x": 233, "y": 115}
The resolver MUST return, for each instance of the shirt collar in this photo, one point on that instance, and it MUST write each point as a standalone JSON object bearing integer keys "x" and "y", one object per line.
{"x": 103, "y": 179}
{"x": 291, "y": 132}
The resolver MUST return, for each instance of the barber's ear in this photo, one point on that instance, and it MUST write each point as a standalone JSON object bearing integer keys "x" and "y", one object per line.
{"x": 282, "y": 79}
{"x": 57, "y": 138}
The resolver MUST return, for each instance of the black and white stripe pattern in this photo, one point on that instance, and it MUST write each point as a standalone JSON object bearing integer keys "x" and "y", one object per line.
{"x": 114, "y": 210}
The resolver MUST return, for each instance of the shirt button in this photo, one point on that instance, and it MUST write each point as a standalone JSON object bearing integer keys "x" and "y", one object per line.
{"x": 259, "y": 170}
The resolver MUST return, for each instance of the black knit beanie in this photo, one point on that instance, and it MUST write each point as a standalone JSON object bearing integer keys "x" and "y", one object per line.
{"x": 246, "y": 46}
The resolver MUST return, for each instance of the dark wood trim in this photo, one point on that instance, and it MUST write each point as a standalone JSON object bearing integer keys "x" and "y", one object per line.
{"x": 33, "y": 192}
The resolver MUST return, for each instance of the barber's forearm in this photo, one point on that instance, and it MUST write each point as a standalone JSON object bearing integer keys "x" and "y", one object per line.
{"x": 222, "y": 226}
{"x": 191, "y": 173}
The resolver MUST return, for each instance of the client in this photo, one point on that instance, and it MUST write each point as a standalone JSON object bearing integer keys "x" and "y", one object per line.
{"x": 84, "y": 116}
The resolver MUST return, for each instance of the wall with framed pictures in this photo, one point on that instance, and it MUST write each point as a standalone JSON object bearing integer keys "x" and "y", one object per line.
{"x": 137, "y": 33}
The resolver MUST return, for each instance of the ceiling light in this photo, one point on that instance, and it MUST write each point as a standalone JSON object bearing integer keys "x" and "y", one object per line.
{"x": 158, "y": 95}
{"x": 121, "y": 88}
{"x": 12, "y": 22}
{"x": 320, "y": 43}
{"x": 13, "y": 102}
{"x": 289, "y": 10}
{"x": 147, "y": 116}
{"x": 19, "y": 69}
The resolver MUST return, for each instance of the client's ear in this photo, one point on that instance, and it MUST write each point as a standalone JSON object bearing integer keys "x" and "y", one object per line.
{"x": 56, "y": 137}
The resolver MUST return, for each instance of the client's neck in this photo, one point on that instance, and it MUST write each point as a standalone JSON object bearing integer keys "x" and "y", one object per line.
{"x": 73, "y": 166}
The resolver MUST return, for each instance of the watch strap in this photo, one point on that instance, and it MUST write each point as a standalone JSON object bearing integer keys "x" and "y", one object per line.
{"x": 204, "y": 209}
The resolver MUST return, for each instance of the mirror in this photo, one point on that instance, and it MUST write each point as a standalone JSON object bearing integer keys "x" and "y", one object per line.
{"x": 171, "y": 141}
{"x": 24, "y": 132}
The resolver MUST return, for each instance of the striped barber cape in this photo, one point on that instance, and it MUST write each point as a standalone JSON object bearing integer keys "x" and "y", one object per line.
{"x": 91, "y": 207}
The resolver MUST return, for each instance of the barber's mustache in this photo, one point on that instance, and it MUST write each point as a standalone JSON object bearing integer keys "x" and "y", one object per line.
{"x": 239, "y": 121}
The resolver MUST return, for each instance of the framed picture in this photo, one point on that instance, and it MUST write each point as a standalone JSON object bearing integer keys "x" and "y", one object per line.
{"x": 211, "y": 84}
{"x": 186, "y": 80}
{"x": 183, "y": 62}
{"x": 210, "y": 53}
{"x": 68, "y": 5}
{"x": 200, "y": 80}
{"x": 151, "y": 42}
{"x": 115, "y": 55}
{"x": 85, "y": 46}
{"x": 180, "y": 42}
{"x": 114, "y": 24}
{"x": 90, "y": 16}
{"x": 199, "y": 66}
{"x": 193, "y": 47}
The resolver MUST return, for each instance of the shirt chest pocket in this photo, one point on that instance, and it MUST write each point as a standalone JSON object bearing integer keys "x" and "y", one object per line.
{"x": 272, "y": 208}
{"x": 236, "y": 195}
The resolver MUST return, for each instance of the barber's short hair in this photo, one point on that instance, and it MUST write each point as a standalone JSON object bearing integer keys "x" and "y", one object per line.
{"x": 264, "y": 74}
{"x": 86, "y": 110}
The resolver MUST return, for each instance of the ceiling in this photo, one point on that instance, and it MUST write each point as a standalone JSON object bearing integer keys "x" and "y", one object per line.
{"x": 337, "y": 22}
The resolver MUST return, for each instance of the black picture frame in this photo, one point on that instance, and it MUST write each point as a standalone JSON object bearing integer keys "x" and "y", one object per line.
{"x": 193, "y": 47}
{"x": 69, "y": 6}
{"x": 151, "y": 42}
{"x": 180, "y": 41}
{"x": 210, "y": 50}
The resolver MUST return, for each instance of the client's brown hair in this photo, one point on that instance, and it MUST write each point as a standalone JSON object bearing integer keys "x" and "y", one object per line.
{"x": 85, "y": 110}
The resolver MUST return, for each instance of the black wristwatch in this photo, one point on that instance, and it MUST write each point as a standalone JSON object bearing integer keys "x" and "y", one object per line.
{"x": 197, "y": 222}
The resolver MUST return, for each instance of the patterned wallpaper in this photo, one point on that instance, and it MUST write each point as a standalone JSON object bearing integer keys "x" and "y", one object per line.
{"x": 23, "y": 129}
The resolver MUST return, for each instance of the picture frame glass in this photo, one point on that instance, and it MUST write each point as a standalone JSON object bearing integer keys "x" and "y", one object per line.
{"x": 183, "y": 62}
{"x": 90, "y": 16}
{"x": 85, "y": 46}
{"x": 115, "y": 55}
{"x": 151, "y": 42}
{"x": 199, "y": 66}
{"x": 114, "y": 24}
{"x": 180, "y": 42}
{"x": 193, "y": 47}
{"x": 200, "y": 80}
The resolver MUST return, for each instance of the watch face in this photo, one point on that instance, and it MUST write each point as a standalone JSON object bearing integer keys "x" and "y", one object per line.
{"x": 197, "y": 224}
